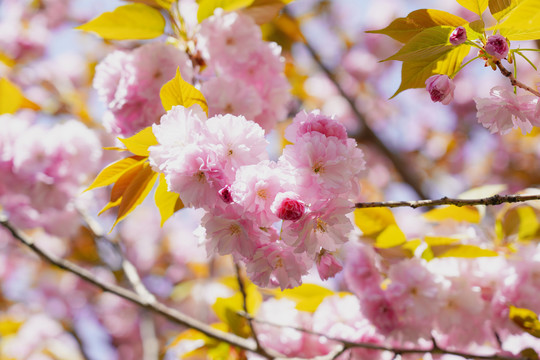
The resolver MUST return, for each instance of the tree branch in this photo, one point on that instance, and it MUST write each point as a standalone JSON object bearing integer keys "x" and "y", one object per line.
{"x": 404, "y": 170}
{"x": 513, "y": 80}
{"x": 492, "y": 200}
{"x": 156, "y": 307}
{"x": 347, "y": 345}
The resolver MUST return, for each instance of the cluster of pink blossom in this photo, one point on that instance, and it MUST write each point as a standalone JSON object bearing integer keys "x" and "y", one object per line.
{"x": 42, "y": 169}
{"x": 129, "y": 83}
{"x": 505, "y": 110}
{"x": 421, "y": 300}
{"x": 220, "y": 164}
{"x": 244, "y": 74}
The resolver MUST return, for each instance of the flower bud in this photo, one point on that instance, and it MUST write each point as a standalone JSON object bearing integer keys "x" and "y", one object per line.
{"x": 440, "y": 88}
{"x": 497, "y": 46}
{"x": 327, "y": 265}
{"x": 458, "y": 36}
{"x": 290, "y": 209}
{"x": 225, "y": 194}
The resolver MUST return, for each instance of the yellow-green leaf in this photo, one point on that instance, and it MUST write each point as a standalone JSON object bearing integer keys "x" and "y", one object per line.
{"x": 306, "y": 296}
{"x": 263, "y": 11}
{"x": 522, "y": 21}
{"x": 9, "y": 326}
{"x": 139, "y": 143}
{"x": 167, "y": 202}
{"x": 439, "y": 240}
{"x": 136, "y": 191}
{"x": 165, "y": 4}
{"x": 404, "y": 29}
{"x": 390, "y": 237}
{"x": 525, "y": 319}
{"x": 12, "y": 98}
{"x": 429, "y": 43}
{"x": 462, "y": 251}
{"x": 464, "y": 213}
{"x": 128, "y": 22}
{"x": 476, "y": 6}
{"x": 207, "y": 7}
{"x": 113, "y": 172}
{"x": 415, "y": 73}
{"x": 177, "y": 91}
{"x": 227, "y": 310}
{"x": 500, "y": 8}
{"x": 528, "y": 223}
{"x": 373, "y": 220}
{"x": 110, "y": 205}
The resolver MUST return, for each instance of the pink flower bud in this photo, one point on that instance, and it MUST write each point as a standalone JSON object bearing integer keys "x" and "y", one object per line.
{"x": 497, "y": 46}
{"x": 440, "y": 88}
{"x": 290, "y": 209}
{"x": 327, "y": 265}
{"x": 458, "y": 36}
{"x": 225, "y": 194}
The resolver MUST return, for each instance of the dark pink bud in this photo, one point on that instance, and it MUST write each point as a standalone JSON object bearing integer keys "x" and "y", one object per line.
{"x": 440, "y": 88}
{"x": 458, "y": 36}
{"x": 497, "y": 46}
{"x": 290, "y": 209}
{"x": 225, "y": 194}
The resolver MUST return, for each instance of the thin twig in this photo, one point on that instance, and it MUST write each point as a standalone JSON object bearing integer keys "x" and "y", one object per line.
{"x": 150, "y": 343}
{"x": 346, "y": 345}
{"x": 242, "y": 288}
{"x": 492, "y": 200}
{"x": 513, "y": 80}
{"x": 404, "y": 170}
{"x": 156, "y": 307}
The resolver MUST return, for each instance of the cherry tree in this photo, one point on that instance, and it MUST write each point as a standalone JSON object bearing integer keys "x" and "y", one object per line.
{"x": 240, "y": 179}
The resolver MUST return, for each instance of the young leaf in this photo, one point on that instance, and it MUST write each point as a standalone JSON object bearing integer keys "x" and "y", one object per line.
{"x": 373, "y": 220}
{"x": 464, "y": 213}
{"x": 522, "y": 21}
{"x": 430, "y": 43}
{"x": 476, "y": 6}
{"x": 113, "y": 172}
{"x": 263, "y": 11}
{"x": 390, "y": 237}
{"x": 167, "y": 202}
{"x": 12, "y": 98}
{"x": 404, "y": 29}
{"x": 177, "y": 91}
{"x": 415, "y": 73}
{"x": 307, "y": 296}
{"x": 462, "y": 251}
{"x": 207, "y": 7}
{"x": 139, "y": 143}
{"x": 500, "y": 8}
{"x": 136, "y": 191}
{"x": 525, "y": 319}
{"x": 128, "y": 22}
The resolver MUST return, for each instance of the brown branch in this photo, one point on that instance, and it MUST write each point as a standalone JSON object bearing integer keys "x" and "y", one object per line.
{"x": 404, "y": 170}
{"x": 513, "y": 80}
{"x": 347, "y": 345}
{"x": 242, "y": 288}
{"x": 156, "y": 307}
{"x": 490, "y": 201}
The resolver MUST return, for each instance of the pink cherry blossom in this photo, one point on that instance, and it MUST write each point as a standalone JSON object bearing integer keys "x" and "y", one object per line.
{"x": 504, "y": 111}
{"x": 226, "y": 95}
{"x": 497, "y": 46}
{"x": 276, "y": 264}
{"x": 304, "y": 123}
{"x": 287, "y": 206}
{"x": 458, "y": 36}
{"x": 327, "y": 265}
{"x": 440, "y": 88}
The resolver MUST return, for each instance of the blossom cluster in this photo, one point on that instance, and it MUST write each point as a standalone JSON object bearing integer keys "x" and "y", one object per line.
{"x": 242, "y": 75}
{"x": 42, "y": 170}
{"x": 221, "y": 165}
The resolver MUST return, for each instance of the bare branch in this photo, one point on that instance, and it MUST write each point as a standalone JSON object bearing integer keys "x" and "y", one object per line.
{"x": 492, "y": 200}
{"x": 513, "y": 80}
{"x": 404, "y": 170}
{"x": 156, "y": 307}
